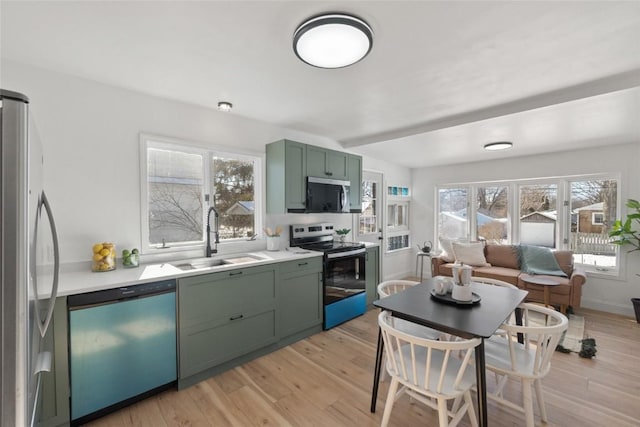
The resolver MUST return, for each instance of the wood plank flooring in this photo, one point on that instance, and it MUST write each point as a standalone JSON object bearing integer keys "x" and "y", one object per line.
{"x": 326, "y": 379}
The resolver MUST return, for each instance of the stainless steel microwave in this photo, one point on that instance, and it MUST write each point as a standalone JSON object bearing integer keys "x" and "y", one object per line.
{"x": 327, "y": 195}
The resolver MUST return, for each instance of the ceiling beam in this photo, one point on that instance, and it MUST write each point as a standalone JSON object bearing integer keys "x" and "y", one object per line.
{"x": 614, "y": 83}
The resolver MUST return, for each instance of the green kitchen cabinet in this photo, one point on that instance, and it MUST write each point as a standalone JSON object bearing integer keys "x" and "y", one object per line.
{"x": 325, "y": 163}
{"x": 300, "y": 295}
{"x": 355, "y": 178}
{"x": 372, "y": 273}
{"x": 54, "y": 395}
{"x": 289, "y": 163}
{"x": 225, "y": 315}
{"x": 286, "y": 175}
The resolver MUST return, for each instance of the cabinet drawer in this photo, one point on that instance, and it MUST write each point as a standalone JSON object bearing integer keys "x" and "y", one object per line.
{"x": 203, "y": 348}
{"x": 222, "y": 295}
{"x": 305, "y": 265}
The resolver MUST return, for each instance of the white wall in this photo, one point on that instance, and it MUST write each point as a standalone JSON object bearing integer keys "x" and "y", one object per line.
{"x": 90, "y": 135}
{"x": 598, "y": 293}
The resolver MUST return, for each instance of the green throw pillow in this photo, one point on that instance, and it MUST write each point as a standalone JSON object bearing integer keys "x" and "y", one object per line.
{"x": 539, "y": 260}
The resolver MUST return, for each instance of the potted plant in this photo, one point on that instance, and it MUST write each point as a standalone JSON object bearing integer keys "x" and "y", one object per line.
{"x": 627, "y": 233}
{"x": 342, "y": 232}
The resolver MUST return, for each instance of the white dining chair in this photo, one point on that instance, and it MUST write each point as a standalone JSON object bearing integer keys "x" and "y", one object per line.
{"x": 391, "y": 287}
{"x": 528, "y": 362}
{"x": 429, "y": 372}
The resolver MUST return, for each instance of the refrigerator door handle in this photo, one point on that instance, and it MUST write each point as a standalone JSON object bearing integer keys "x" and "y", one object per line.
{"x": 43, "y": 324}
{"x": 43, "y": 364}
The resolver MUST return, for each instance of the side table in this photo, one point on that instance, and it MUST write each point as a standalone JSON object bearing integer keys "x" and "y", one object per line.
{"x": 546, "y": 284}
{"x": 420, "y": 256}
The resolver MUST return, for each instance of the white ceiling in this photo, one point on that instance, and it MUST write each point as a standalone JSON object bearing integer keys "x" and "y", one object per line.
{"x": 443, "y": 78}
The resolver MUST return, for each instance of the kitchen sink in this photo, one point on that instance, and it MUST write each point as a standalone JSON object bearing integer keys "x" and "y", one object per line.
{"x": 200, "y": 263}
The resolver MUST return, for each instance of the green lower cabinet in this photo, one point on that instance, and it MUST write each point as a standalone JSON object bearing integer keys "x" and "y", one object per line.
{"x": 225, "y": 315}
{"x": 210, "y": 345}
{"x": 300, "y": 296}
{"x": 372, "y": 273}
{"x": 54, "y": 396}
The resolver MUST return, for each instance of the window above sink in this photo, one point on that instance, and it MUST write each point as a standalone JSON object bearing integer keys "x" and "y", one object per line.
{"x": 180, "y": 181}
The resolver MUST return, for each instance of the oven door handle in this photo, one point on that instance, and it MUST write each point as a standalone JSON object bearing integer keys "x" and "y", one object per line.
{"x": 346, "y": 253}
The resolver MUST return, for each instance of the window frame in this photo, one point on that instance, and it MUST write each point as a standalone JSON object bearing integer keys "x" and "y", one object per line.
{"x": 207, "y": 151}
{"x": 595, "y": 215}
{"x": 563, "y": 211}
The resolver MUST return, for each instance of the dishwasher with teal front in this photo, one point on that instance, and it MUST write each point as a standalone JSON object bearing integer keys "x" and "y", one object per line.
{"x": 122, "y": 347}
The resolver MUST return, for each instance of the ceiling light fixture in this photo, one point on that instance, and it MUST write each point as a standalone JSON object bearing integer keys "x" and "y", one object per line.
{"x": 494, "y": 146}
{"x": 332, "y": 40}
{"x": 225, "y": 106}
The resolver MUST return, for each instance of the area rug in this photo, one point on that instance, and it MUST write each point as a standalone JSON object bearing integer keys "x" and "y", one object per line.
{"x": 572, "y": 337}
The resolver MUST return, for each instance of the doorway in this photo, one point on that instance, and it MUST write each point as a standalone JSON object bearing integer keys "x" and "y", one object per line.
{"x": 369, "y": 222}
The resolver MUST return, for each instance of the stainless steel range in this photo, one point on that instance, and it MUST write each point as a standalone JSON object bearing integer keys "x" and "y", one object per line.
{"x": 343, "y": 271}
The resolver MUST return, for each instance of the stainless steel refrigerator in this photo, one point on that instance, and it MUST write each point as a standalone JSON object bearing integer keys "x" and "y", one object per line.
{"x": 30, "y": 264}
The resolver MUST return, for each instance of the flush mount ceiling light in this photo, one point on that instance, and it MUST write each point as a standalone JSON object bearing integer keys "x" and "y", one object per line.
{"x": 225, "y": 106}
{"x": 332, "y": 40}
{"x": 494, "y": 146}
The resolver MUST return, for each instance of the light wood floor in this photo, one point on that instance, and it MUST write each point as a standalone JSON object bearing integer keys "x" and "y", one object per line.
{"x": 326, "y": 380}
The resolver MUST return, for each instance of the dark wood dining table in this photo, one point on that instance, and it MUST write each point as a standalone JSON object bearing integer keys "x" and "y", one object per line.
{"x": 479, "y": 320}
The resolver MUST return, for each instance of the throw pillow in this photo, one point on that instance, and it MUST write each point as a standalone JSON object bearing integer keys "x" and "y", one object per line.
{"x": 470, "y": 254}
{"x": 447, "y": 254}
{"x": 539, "y": 260}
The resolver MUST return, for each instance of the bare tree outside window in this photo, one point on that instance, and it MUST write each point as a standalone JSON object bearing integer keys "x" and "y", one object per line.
{"x": 492, "y": 211}
{"x": 368, "y": 217}
{"x": 177, "y": 194}
{"x": 233, "y": 182}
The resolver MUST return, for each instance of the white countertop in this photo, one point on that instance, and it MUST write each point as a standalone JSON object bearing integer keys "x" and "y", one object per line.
{"x": 78, "y": 278}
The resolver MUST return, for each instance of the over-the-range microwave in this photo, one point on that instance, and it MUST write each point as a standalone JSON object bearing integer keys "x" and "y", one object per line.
{"x": 326, "y": 195}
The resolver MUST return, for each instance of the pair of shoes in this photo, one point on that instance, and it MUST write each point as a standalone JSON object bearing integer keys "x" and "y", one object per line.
{"x": 588, "y": 349}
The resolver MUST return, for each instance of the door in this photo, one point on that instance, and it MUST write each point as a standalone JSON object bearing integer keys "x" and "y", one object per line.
{"x": 369, "y": 224}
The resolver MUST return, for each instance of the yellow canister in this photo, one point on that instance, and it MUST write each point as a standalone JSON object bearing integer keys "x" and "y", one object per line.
{"x": 104, "y": 257}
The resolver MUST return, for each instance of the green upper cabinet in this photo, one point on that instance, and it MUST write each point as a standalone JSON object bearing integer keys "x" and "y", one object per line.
{"x": 289, "y": 163}
{"x": 325, "y": 163}
{"x": 286, "y": 173}
{"x": 355, "y": 177}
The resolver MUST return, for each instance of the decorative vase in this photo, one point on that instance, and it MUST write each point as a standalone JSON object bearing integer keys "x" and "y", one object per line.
{"x": 461, "y": 292}
{"x": 342, "y": 238}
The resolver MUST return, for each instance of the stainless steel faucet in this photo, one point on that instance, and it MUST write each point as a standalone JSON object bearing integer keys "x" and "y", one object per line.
{"x": 209, "y": 251}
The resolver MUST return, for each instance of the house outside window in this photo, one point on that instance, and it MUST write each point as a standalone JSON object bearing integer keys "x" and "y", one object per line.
{"x": 180, "y": 183}
{"x": 538, "y": 215}
{"x": 594, "y": 202}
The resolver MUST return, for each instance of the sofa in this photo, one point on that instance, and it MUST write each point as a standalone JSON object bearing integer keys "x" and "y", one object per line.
{"x": 503, "y": 262}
